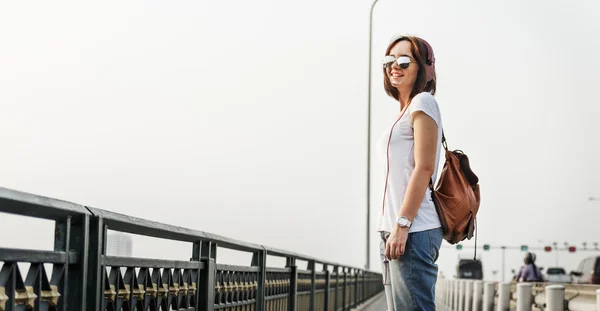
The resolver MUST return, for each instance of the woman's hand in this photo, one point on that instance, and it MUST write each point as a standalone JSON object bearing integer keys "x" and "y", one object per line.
{"x": 396, "y": 243}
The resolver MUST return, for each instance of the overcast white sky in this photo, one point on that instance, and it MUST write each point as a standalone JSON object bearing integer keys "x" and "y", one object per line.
{"x": 248, "y": 118}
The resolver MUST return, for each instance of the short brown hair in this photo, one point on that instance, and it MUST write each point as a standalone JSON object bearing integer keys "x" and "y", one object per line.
{"x": 419, "y": 52}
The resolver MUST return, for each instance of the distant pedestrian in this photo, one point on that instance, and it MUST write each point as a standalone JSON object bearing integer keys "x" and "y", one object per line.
{"x": 530, "y": 272}
{"x": 410, "y": 150}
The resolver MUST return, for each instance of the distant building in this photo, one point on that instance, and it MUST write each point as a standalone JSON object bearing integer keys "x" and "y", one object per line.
{"x": 119, "y": 244}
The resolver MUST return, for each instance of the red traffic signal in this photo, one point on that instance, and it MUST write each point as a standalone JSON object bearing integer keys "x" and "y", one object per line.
{"x": 572, "y": 249}
{"x": 548, "y": 248}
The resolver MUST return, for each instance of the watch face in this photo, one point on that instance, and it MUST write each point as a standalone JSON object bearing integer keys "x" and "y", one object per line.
{"x": 402, "y": 221}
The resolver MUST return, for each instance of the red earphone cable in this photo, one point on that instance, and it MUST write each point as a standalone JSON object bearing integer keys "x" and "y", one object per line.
{"x": 388, "y": 160}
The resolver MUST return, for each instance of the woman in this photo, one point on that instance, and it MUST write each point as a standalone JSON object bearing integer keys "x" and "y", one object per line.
{"x": 530, "y": 272}
{"x": 409, "y": 224}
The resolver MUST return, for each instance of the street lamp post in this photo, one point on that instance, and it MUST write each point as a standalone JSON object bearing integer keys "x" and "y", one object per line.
{"x": 368, "y": 264}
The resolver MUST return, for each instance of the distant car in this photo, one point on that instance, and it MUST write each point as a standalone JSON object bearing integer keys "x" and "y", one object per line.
{"x": 588, "y": 271}
{"x": 557, "y": 275}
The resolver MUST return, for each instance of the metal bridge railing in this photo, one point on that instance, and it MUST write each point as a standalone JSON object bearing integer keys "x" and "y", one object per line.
{"x": 83, "y": 277}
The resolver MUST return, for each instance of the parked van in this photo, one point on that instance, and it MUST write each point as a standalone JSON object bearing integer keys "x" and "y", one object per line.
{"x": 588, "y": 271}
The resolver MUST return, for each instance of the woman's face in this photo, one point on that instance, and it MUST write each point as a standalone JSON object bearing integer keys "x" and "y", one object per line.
{"x": 400, "y": 78}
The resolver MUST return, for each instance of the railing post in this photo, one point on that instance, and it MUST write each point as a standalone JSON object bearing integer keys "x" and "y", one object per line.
{"x": 62, "y": 238}
{"x": 259, "y": 259}
{"x": 206, "y": 288}
{"x": 208, "y": 249}
{"x": 205, "y": 252}
{"x": 327, "y": 288}
{"x": 356, "y": 284}
{"x": 477, "y": 296}
{"x": 350, "y": 279}
{"x": 363, "y": 292}
{"x": 336, "y": 300}
{"x": 367, "y": 280}
{"x": 524, "y": 292}
{"x": 293, "y": 299}
{"x": 197, "y": 256}
{"x": 344, "y": 304}
{"x": 379, "y": 284}
{"x": 503, "y": 297}
{"x": 313, "y": 286}
{"x": 598, "y": 299}
{"x": 72, "y": 234}
{"x": 360, "y": 281}
{"x": 555, "y": 298}
{"x": 368, "y": 285}
{"x": 96, "y": 245}
{"x": 489, "y": 291}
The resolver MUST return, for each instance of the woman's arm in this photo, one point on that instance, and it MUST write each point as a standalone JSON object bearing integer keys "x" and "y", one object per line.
{"x": 426, "y": 140}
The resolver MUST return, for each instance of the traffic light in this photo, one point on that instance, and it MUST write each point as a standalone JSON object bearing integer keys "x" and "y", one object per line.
{"x": 524, "y": 248}
{"x": 458, "y": 247}
{"x": 548, "y": 248}
{"x": 572, "y": 249}
{"x": 486, "y": 247}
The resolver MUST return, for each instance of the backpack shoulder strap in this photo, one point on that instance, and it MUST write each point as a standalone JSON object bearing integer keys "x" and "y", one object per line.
{"x": 445, "y": 145}
{"x": 444, "y": 141}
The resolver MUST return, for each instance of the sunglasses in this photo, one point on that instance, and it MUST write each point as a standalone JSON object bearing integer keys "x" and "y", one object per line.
{"x": 402, "y": 61}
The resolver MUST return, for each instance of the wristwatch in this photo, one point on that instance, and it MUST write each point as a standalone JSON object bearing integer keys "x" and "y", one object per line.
{"x": 403, "y": 222}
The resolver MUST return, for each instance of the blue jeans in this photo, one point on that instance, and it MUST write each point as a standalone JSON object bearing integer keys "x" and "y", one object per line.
{"x": 410, "y": 281}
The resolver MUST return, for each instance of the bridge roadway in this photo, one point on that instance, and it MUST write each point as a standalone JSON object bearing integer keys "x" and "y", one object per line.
{"x": 378, "y": 303}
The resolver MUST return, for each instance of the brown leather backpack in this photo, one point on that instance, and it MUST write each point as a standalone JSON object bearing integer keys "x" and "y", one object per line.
{"x": 456, "y": 197}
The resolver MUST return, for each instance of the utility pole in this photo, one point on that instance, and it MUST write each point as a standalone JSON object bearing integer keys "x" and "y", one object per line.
{"x": 368, "y": 264}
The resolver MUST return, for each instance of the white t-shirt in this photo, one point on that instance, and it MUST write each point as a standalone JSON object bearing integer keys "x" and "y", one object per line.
{"x": 402, "y": 164}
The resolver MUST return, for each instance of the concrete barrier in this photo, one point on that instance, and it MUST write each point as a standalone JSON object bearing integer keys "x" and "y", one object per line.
{"x": 461, "y": 296}
{"x": 468, "y": 295}
{"x": 555, "y": 298}
{"x": 489, "y": 292}
{"x": 503, "y": 297}
{"x": 477, "y": 296}
{"x": 581, "y": 297}
{"x": 450, "y": 295}
{"x": 524, "y": 296}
